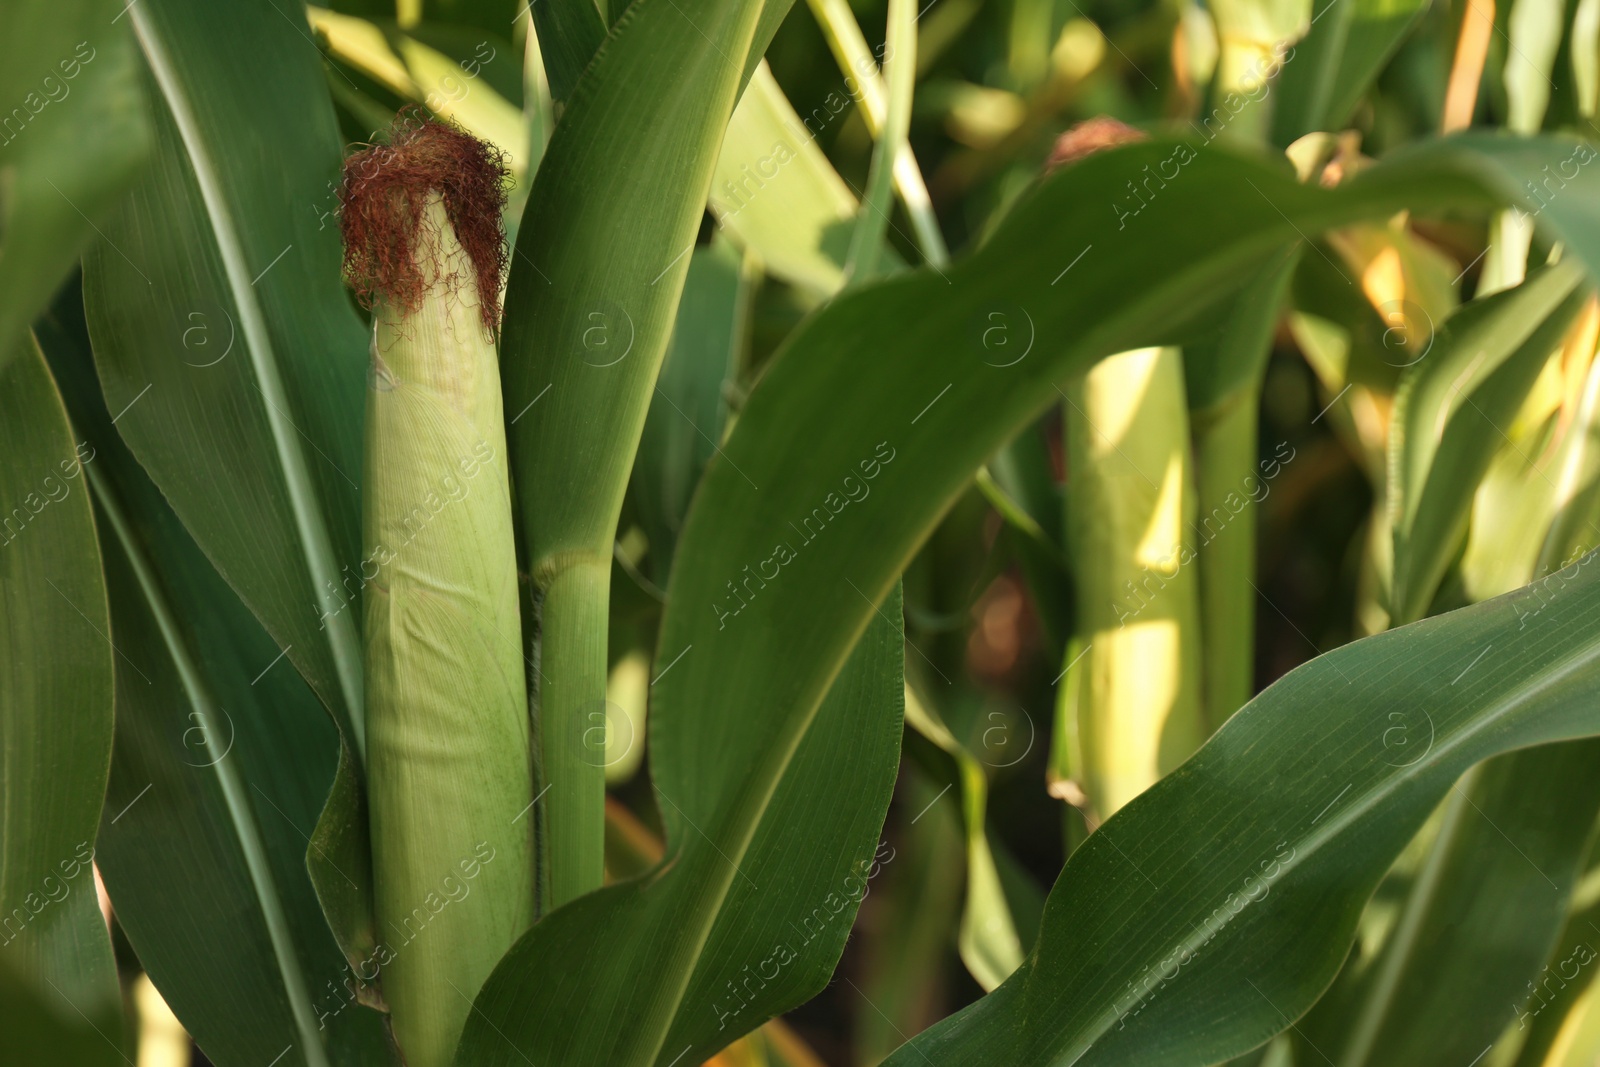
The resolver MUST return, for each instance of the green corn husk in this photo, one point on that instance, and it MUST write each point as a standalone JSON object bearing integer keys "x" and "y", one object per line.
{"x": 450, "y": 782}
{"x": 1133, "y": 691}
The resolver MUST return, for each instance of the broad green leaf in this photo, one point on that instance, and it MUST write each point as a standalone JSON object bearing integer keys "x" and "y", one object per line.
{"x": 570, "y": 31}
{"x": 1328, "y": 72}
{"x": 596, "y": 274}
{"x": 229, "y": 352}
{"x": 689, "y": 412}
{"x": 783, "y": 920}
{"x": 74, "y": 135}
{"x": 1271, "y": 838}
{"x": 1484, "y": 913}
{"x": 1448, "y": 410}
{"x": 897, "y": 374}
{"x": 56, "y": 653}
{"x": 631, "y": 849}
{"x": 1489, "y": 899}
{"x": 776, "y": 193}
{"x": 223, "y": 758}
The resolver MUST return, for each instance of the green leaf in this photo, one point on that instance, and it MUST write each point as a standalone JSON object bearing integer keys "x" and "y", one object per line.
{"x": 1447, "y": 413}
{"x": 570, "y": 31}
{"x": 1492, "y": 891}
{"x": 1482, "y": 917}
{"x": 785, "y": 907}
{"x": 597, "y": 271}
{"x": 689, "y": 411}
{"x": 223, "y": 758}
{"x": 252, "y": 429}
{"x": 74, "y": 135}
{"x": 1328, "y": 72}
{"x": 452, "y": 88}
{"x": 55, "y": 708}
{"x": 339, "y": 861}
{"x": 1558, "y": 1025}
{"x": 775, "y": 192}
{"x": 1271, "y": 838}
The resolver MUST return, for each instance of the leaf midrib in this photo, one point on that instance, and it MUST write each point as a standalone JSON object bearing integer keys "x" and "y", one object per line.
{"x": 314, "y": 541}
{"x": 1349, "y": 815}
{"x": 239, "y": 814}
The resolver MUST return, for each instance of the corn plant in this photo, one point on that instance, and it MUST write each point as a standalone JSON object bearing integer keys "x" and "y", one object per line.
{"x": 696, "y": 531}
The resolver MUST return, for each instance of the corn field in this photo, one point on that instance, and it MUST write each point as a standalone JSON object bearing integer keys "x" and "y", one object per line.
{"x": 584, "y": 533}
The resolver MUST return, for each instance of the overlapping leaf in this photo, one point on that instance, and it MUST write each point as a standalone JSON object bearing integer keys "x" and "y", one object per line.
{"x": 1482, "y": 916}
{"x": 55, "y": 710}
{"x": 72, "y": 135}
{"x": 231, "y": 357}
{"x": 1327, "y": 73}
{"x": 1448, "y": 414}
{"x": 223, "y": 759}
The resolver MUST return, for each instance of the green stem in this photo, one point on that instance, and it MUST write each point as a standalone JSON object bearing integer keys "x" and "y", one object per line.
{"x": 900, "y": 72}
{"x": 572, "y": 725}
{"x": 1225, "y": 465}
{"x": 1226, "y": 399}
{"x": 866, "y": 85}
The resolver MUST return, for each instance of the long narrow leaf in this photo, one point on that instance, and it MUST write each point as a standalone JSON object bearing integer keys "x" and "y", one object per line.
{"x": 56, "y": 654}
{"x": 73, "y": 136}
{"x": 223, "y": 758}
{"x": 252, "y": 430}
